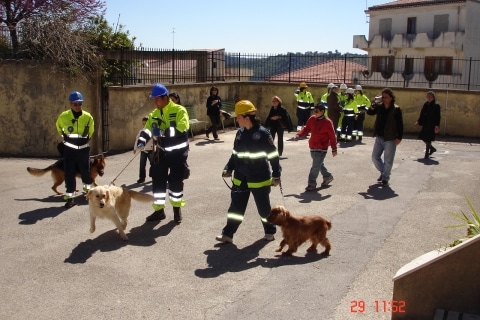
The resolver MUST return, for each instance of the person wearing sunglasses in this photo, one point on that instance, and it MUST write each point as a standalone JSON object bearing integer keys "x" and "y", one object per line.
{"x": 76, "y": 128}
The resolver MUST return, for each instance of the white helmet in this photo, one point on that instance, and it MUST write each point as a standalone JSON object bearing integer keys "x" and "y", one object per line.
{"x": 350, "y": 90}
{"x": 330, "y": 85}
{"x": 358, "y": 87}
{"x": 343, "y": 86}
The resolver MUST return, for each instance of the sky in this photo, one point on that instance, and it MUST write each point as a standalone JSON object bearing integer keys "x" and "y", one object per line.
{"x": 245, "y": 26}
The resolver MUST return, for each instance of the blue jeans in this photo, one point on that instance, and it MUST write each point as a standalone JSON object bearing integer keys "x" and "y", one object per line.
{"x": 318, "y": 158}
{"x": 388, "y": 149}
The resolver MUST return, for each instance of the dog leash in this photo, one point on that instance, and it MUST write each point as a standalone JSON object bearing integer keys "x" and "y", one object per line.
{"x": 136, "y": 153}
{"x": 281, "y": 192}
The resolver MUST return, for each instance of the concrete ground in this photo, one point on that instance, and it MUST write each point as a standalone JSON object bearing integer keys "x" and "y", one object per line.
{"x": 53, "y": 268}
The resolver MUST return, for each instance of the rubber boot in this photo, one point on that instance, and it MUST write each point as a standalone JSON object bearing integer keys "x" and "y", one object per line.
{"x": 157, "y": 215}
{"x": 177, "y": 214}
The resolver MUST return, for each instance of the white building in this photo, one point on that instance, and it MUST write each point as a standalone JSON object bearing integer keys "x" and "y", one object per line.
{"x": 423, "y": 43}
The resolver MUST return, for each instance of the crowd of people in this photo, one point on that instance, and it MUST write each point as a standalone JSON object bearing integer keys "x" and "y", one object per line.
{"x": 254, "y": 165}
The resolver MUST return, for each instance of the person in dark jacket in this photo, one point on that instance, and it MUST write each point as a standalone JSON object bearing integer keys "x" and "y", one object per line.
{"x": 277, "y": 121}
{"x": 253, "y": 151}
{"x": 214, "y": 106}
{"x": 429, "y": 120}
{"x": 334, "y": 107}
{"x": 388, "y": 130}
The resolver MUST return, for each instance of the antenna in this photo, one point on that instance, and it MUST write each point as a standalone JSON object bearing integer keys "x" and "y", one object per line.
{"x": 366, "y": 8}
{"x": 118, "y": 21}
{"x": 173, "y": 38}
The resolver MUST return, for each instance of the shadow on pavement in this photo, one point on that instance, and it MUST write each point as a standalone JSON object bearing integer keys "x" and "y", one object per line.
{"x": 428, "y": 162}
{"x": 308, "y": 196}
{"x": 228, "y": 257}
{"x": 378, "y": 192}
{"x": 143, "y": 236}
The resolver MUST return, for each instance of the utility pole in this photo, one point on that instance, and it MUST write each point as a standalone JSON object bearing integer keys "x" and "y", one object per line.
{"x": 173, "y": 38}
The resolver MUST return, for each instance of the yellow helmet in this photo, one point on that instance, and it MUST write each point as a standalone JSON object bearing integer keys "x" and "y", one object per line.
{"x": 244, "y": 106}
{"x": 303, "y": 85}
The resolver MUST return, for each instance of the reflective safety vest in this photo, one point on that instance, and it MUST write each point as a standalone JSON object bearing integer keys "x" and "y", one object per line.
{"x": 362, "y": 100}
{"x": 169, "y": 126}
{"x": 253, "y": 150}
{"x": 350, "y": 108}
{"x": 75, "y": 132}
{"x": 304, "y": 100}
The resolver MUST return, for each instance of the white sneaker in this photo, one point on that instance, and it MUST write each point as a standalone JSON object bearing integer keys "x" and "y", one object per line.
{"x": 223, "y": 238}
{"x": 269, "y": 237}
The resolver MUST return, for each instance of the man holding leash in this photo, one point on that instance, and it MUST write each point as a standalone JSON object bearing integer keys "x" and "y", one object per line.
{"x": 76, "y": 127}
{"x": 168, "y": 126}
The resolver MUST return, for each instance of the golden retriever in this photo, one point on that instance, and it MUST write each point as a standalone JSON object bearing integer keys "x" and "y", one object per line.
{"x": 97, "y": 167}
{"x": 113, "y": 203}
{"x": 298, "y": 229}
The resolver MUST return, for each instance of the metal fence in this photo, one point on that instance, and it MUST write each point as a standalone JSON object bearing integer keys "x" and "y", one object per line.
{"x": 144, "y": 66}
{"x": 147, "y": 66}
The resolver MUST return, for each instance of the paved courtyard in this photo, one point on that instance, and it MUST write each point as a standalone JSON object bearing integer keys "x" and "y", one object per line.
{"x": 53, "y": 268}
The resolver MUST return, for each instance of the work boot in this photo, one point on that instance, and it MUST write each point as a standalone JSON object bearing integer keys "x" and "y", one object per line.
{"x": 157, "y": 215}
{"x": 70, "y": 203}
{"x": 432, "y": 150}
{"x": 177, "y": 214}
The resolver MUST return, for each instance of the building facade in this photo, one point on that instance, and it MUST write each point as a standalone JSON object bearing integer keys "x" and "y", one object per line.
{"x": 429, "y": 41}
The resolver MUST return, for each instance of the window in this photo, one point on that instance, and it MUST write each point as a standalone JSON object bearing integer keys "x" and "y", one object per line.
{"x": 440, "y": 24}
{"x": 386, "y": 28}
{"x": 438, "y": 65}
{"x": 408, "y": 66}
{"x": 383, "y": 64}
{"x": 412, "y": 25}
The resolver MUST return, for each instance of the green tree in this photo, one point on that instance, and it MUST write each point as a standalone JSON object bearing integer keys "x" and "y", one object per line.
{"x": 16, "y": 12}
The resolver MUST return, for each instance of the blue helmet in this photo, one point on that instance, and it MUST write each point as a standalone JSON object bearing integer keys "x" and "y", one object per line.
{"x": 159, "y": 90}
{"x": 75, "y": 96}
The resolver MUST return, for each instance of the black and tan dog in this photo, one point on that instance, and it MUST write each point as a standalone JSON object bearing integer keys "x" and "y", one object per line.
{"x": 298, "y": 229}
{"x": 97, "y": 167}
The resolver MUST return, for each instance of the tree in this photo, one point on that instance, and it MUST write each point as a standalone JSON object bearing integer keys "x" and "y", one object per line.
{"x": 15, "y": 12}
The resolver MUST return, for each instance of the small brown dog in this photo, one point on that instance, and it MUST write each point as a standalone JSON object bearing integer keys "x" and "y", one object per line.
{"x": 298, "y": 229}
{"x": 97, "y": 167}
{"x": 113, "y": 203}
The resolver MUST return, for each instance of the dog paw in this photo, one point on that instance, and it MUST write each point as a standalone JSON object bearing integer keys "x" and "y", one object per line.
{"x": 92, "y": 229}
{"x": 287, "y": 253}
{"x": 124, "y": 237}
{"x": 312, "y": 250}
{"x": 278, "y": 249}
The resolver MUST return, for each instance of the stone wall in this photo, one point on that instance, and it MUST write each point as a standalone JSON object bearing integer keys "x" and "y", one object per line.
{"x": 32, "y": 96}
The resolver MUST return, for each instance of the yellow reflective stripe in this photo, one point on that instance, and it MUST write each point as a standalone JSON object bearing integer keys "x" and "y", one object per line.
{"x": 178, "y": 146}
{"x": 253, "y": 185}
{"x": 250, "y": 155}
{"x": 74, "y": 135}
{"x": 273, "y": 154}
{"x": 234, "y": 216}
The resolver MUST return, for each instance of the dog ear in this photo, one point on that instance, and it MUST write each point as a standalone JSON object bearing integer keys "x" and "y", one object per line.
{"x": 89, "y": 194}
{"x": 107, "y": 195}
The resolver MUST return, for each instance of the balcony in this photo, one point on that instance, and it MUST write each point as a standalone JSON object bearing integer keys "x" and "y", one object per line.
{"x": 453, "y": 40}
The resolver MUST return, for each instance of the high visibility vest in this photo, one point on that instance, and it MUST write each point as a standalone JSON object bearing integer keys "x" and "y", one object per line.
{"x": 75, "y": 132}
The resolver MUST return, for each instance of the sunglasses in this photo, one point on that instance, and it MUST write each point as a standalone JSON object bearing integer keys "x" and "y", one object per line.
{"x": 76, "y": 104}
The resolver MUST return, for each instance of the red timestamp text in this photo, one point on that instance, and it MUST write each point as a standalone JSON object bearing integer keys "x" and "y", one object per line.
{"x": 393, "y": 306}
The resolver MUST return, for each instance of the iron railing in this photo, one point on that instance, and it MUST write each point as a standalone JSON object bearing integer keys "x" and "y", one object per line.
{"x": 146, "y": 66}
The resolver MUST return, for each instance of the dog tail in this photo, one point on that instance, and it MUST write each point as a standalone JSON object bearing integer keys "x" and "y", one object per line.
{"x": 329, "y": 225}
{"x": 39, "y": 172}
{"x": 143, "y": 197}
